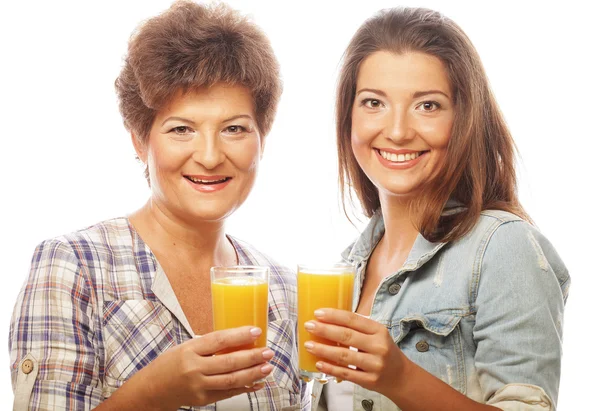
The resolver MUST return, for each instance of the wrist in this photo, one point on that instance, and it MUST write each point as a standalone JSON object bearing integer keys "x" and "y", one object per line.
{"x": 402, "y": 387}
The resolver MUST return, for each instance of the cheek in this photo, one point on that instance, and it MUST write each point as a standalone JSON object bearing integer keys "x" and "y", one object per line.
{"x": 245, "y": 156}
{"x": 364, "y": 129}
{"x": 437, "y": 133}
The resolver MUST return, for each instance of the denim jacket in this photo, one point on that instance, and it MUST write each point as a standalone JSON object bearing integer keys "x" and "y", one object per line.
{"x": 484, "y": 313}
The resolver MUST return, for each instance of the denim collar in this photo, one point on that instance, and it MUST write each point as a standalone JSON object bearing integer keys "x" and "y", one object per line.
{"x": 421, "y": 251}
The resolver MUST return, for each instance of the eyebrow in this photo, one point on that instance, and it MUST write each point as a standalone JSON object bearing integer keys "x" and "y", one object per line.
{"x": 416, "y": 94}
{"x": 182, "y": 119}
{"x": 188, "y": 121}
{"x": 236, "y": 117}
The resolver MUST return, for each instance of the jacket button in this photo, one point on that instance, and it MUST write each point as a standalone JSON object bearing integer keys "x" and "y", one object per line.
{"x": 27, "y": 366}
{"x": 367, "y": 405}
{"x": 394, "y": 289}
{"x": 422, "y": 346}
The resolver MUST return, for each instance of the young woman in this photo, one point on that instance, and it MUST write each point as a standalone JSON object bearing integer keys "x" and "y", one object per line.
{"x": 460, "y": 297}
{"x": 108, "y": 315}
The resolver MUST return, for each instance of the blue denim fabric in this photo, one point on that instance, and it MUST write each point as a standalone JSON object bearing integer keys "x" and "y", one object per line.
{"x": 484, "y": 313}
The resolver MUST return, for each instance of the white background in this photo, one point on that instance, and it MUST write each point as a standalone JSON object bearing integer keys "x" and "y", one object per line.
{"x": 66, "y": 161}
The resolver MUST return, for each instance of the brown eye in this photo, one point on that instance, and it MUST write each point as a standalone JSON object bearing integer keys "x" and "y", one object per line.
{"x": 180, "y": 129}
{"x": 428, "y": 106}
{"x": 235, "y": 129}
{"x": 372, "y": 103}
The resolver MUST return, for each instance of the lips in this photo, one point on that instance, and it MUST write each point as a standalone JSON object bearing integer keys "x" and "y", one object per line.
{"x": 208, "y": 180}
{"x": 208, "y": 184}
{"x": 399, "y": 159}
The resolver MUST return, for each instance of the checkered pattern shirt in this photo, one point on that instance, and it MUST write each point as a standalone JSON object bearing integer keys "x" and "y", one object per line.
{"x": 97, "y": 307}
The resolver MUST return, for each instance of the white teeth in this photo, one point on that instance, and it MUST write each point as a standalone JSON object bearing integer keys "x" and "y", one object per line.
{"x": 399, "y": 158}
{"x": 200, "y": 181}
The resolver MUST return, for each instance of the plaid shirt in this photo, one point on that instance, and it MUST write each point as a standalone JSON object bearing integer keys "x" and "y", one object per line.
{"x": 97, "y": 307}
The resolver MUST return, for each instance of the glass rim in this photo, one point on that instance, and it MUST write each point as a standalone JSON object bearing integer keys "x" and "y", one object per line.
{"x": 319, "y": 268}
{"x": 240, "y": 269}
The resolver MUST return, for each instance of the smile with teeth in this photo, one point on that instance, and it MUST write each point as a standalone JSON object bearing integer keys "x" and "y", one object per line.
{"x": 399, "y": 158}
{"x": 200, "y": 181}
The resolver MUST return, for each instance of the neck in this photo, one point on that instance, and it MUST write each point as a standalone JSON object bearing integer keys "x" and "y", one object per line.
{"x": 400, "y": 231}
{"x": 168, "y": 235}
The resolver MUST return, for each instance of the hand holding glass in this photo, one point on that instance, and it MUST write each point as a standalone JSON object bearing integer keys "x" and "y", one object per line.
{"x": 320, "y": 287}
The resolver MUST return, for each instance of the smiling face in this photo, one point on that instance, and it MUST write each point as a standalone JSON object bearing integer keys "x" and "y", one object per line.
{"x": 402, "y": 119}
{"x": 203, "y": 153}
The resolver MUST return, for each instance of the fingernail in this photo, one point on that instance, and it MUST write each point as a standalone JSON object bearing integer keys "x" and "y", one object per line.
{"x": 308, "y": 345}
{"x": 267, "y": 368}
{"x": 319, "y": 313}
{"x": 319, "y": 365}
{"x": 268, "y": 354}
{"x": 255, "y": 331}
{"x": 309, "y": 325}
{"x": 257, "y": 387}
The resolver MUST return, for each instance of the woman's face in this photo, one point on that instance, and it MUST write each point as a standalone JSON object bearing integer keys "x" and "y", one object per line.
{"x": 203, "y": 153}
{"x": 401, "y": 120}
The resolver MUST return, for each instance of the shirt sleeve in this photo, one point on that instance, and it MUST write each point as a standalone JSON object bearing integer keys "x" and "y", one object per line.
{"x": 522, "y": 289}
{"x": 51, "y": 341}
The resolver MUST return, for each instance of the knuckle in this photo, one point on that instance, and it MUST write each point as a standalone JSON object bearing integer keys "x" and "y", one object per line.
{"x": 346, "y": 336}
{"x": 343, "y": 357}
{"x": 345, "y": 374}
{"x": 378, "y": 364}
{"x": 220, "y": 339}
{"x": 230, "y": 362}
{"x": 230, "y": 381}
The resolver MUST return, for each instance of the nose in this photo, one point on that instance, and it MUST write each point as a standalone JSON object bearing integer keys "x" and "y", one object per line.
{"x": 399, "y": 128}
{"x": 208, "y": 151}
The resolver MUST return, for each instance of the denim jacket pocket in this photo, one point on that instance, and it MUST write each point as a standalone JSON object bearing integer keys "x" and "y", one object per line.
{"x": 433, "y": 341}
{"x": 135, "y": 332}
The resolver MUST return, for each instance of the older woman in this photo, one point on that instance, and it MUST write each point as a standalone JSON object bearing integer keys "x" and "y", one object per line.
{"x": 464, "y": 296}
{"x": 108, "y": 315}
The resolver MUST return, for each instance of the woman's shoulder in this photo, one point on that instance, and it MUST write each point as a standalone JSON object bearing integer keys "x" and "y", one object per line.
{"x": 95, "y": 241}
{"x": 510, "y": 240}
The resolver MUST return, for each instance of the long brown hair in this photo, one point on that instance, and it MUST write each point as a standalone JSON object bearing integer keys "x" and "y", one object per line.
{"x": 478, "y": 170}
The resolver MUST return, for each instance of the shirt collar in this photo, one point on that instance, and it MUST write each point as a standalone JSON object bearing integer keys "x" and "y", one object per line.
{"x": 422, "y": 250}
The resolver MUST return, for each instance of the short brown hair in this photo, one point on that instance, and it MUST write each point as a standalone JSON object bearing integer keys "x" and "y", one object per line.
{"x": 478, "y": 170}
{"x": 192, "y": 46}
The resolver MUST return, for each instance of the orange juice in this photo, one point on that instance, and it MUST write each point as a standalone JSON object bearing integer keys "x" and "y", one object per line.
{"x": 320, "y": 290}
{"x": 239, "y": 301}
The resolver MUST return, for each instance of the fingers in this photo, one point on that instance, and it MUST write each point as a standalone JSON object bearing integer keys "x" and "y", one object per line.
{"x": 345, "y": 356}
{"x": 238, "y": 379}
{"x": 339, "y": 334}
{"x": 238, "y": 360}
{"x": 344, "y": 373}
{"x": 219, "y": 340}
{"x": 347, "y": 319}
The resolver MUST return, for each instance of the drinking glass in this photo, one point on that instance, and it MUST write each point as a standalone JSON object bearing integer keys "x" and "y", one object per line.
{"x": 240, "y": 296}
{"x": 320, "y": 287}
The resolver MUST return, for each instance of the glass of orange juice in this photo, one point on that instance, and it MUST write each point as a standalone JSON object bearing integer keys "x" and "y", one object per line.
{"x": 320, "y": 287}
{"x": 240, "y": 296}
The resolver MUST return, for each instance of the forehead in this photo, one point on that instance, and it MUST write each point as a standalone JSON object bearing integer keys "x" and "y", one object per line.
{"x": 412, "y": 71}
{"x": 218, "y": 99}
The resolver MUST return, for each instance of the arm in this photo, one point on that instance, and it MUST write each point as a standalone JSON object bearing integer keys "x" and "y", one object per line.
{"x": 53, "y": 330}
{"x": 381, "y": 365}
{"x": 190, "y": 374}
{"x": 520, "y": 303}
{"x": 521, "y": 286}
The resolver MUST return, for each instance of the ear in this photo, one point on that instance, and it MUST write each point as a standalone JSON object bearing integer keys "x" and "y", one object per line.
{"x": 141, "y": 149}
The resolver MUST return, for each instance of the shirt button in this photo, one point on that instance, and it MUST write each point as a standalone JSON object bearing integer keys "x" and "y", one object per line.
{"x": 367, "y": 405}
{"x": 27, "y": 366}
{"x": 422, "y": 346}
{"x": 394, "y": 289}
